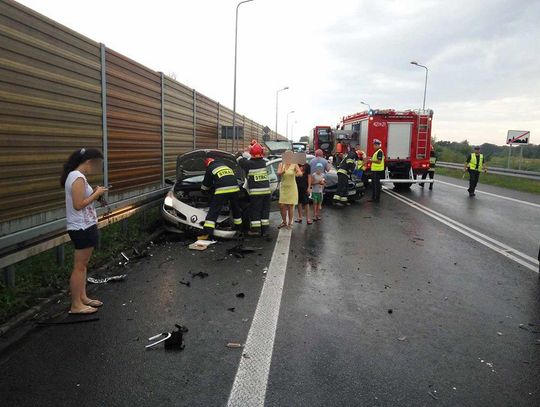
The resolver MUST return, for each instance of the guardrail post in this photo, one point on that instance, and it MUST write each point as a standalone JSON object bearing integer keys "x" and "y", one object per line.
{"x": 9, "y": 276}
{"x": 104, "y": 118}
{"x": 162, "y": 129}
{"x": 60, "y": 255}
{"x": 194, "y": 119}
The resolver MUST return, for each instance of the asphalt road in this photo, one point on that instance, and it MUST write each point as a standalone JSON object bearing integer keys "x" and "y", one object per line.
{"x": 381, "y": 305}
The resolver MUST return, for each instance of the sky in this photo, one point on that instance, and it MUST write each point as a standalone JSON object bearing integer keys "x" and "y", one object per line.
{"x": 483, "y": 57}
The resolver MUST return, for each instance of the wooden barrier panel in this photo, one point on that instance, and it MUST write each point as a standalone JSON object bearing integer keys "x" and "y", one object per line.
{"x": 50, "y": 105}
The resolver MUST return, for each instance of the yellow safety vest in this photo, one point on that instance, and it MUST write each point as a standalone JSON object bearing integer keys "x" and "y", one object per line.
{"x": 375, "y": 166}
{"x": 473, "y": 165}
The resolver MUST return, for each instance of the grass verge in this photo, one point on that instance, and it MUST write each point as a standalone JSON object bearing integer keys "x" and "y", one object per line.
{"x": 40, "y": 276}
{"x": 504, "y": 181}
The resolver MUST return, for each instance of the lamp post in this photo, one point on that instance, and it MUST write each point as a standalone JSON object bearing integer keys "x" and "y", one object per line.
{"x": 235, "y": 57}
{"x": 277, "y": 98}
{"x": 425, "y": 85}
{"x": 287, "y": 130}
{"x": 367, "y": 104}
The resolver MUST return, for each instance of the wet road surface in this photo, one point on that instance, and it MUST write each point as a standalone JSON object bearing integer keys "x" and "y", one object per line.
{"x": 381, "y": 305}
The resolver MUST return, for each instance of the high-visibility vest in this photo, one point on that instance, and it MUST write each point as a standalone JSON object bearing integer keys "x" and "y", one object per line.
{"x": 477, "y": 166}
{"x": 374, "y": 165}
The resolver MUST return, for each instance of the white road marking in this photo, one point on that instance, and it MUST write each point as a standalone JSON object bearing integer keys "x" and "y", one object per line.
{"x": 507, "y": 251}
{"x": 250, "y": 383}
{"x": 491, "y": 194}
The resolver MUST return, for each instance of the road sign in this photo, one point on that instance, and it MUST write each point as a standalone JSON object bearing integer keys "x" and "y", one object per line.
{"x": 266, "y": 130}
{"x": 518, "y": 137}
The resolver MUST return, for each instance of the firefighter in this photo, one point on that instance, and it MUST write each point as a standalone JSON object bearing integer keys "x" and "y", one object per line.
{"x": 431, "y": 171}
{"x": 377, "y": 170}
{"x": 475, "y": 165}
{"x": 346, "y": 168}
{"x": 258, "y": 187}
{"x": 222, "y": 180}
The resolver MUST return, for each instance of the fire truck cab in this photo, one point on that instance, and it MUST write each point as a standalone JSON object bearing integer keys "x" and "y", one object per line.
{"x": 405, "y": 137}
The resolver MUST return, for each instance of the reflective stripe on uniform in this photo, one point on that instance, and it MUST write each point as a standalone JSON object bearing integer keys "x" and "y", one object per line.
{"x": 210, "y": 224}
{"x": 255, "y": 223}
{"x": 204, "y": 188}
{"x": 265, "y": 222}
{"x": 336, "y": 197}
{"x": 342, "y": 171}
{"x": 227, "y": 190}
{"x": 260, "y": 191}
{"x": 349, "y": 161}
{"x": 237, "y": 221}
{"x": 344, "y": 199}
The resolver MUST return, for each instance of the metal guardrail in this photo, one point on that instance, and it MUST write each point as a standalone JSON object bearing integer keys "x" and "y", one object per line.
{"x": 39, "y": 239}
{"x": 535, "y": 175}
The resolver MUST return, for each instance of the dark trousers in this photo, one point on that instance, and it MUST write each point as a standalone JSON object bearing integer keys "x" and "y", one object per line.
{"x": 376, "y": 187}
{"x": 259, "y": 212}
{"x": 342, "y": 187}
{"x": 431, "y": 175}
{"x": 473, "y": 180}
{"x": 218, "y": 201}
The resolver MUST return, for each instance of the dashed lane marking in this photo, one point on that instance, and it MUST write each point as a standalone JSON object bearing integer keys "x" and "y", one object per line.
{"x": 250, "y": 383}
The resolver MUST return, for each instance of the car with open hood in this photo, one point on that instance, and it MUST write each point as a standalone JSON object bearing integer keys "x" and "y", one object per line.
{"x": 185, "y": 207}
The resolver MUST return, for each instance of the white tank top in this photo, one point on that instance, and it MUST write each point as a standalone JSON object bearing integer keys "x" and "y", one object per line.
{"x": 87, "y": 216}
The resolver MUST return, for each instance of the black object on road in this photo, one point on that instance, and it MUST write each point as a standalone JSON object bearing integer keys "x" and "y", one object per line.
{"x": 173, "y": 340}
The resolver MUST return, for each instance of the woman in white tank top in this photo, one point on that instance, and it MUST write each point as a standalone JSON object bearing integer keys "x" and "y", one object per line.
{"x": 82, "y": 222}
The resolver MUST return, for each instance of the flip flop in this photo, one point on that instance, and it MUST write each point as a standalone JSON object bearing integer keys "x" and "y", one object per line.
{"x": 282, "y": 225}
{"x": 309, "y": 222}
{"x": 94, "y": 303}
{"x": 85, "y": 311}
{"x": 298, "y": 221}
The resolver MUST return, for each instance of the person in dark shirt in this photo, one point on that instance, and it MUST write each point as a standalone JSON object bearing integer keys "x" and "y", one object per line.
{"x": 303, "y": 184}
{"x": 431, "y": 171}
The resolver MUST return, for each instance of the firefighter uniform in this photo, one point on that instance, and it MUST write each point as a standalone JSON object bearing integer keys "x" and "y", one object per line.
{"x": 475, "y": 165}
{"x": 222, "y": 180}
{"x": 346, "y": 168}
{"x": 431, "y": 171}
{"x": 377, "y": 172}
{"x": 259, "y": 193}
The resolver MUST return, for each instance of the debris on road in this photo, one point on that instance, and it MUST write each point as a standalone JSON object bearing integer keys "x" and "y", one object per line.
{"x": 265, "y": 270}
{"x": 93, "y": 280}
{"x": 173, "y": 340}
{"x": 402, "y": 338}
{"x": 124, "y": 256}
{"x": 240, "y": 250}
{"x": 240, "y": 295}
{"x": 433, "y": 395}
{"x": 186, "y": 283}
{"x": 390, "y": 311}
{"x": 231, "y": 309}
{"x": 200, "y": 274}
{"x": 234, "y": 345}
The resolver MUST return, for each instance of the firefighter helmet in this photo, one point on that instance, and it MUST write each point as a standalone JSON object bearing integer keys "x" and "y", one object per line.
{"x": 208, "y": 161}
{"x": 256, "y": 150}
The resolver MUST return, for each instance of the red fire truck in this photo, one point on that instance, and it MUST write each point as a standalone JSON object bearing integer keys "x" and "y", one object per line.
{"x": 321, "y": 137}
{"x": 405, "y": 137}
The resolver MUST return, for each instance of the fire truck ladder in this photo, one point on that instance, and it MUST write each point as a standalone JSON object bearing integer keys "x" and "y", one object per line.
{"x": 422, "y": 139}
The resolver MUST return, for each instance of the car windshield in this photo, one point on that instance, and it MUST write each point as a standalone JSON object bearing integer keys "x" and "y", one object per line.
{"x": 278, "y": 146}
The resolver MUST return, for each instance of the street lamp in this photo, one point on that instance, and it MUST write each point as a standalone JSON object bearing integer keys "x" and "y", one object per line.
{"x": 425, "y": 85}
{"x": 367, "y": 104}
{"x": 287, "y": 130}
{"x": 277, "y": 96}
{"x": 235, "y": 57}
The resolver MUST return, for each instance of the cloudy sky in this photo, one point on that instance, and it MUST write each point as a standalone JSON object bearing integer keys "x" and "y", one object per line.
{"x": 483, "y": 56}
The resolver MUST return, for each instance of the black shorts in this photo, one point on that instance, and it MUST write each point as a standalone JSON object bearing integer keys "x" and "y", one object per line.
{"x": 303, "y": 197}
{"x": 84, "y": 238}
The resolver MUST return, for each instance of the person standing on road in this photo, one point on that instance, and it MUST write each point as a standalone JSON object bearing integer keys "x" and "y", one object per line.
{"x": 319, "y": 158}
{"x": 288, "y": 192}
{"x": 258, "y": 187}
{"x": 81, "y": 219}
{"x": 303, "y": 183}
{"x": 222, "y": 180}
{"x": 377, "y": 171}
{"x": 431, "y": 171}
{"x": 475, "y": 165}
{"x": 346, "y": 168}
{"x": 317, "y": 184}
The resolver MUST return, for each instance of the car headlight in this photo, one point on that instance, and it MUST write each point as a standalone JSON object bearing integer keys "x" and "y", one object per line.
{"x": 169, "y": 199}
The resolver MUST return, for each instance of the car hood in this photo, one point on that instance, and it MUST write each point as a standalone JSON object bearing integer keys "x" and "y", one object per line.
{"x": 191, "y": 165}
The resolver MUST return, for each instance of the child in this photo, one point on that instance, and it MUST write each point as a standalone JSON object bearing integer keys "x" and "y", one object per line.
{"x": 317, "y": 184}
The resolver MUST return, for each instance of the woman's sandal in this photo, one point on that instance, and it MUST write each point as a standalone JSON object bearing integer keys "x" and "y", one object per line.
{"x": 84, "y": 311}
{"x": 298, "y": 221}
{"x": 94, "y": 303}
{"x": 309, "y": 222}
{"x": 283, "y": 224}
